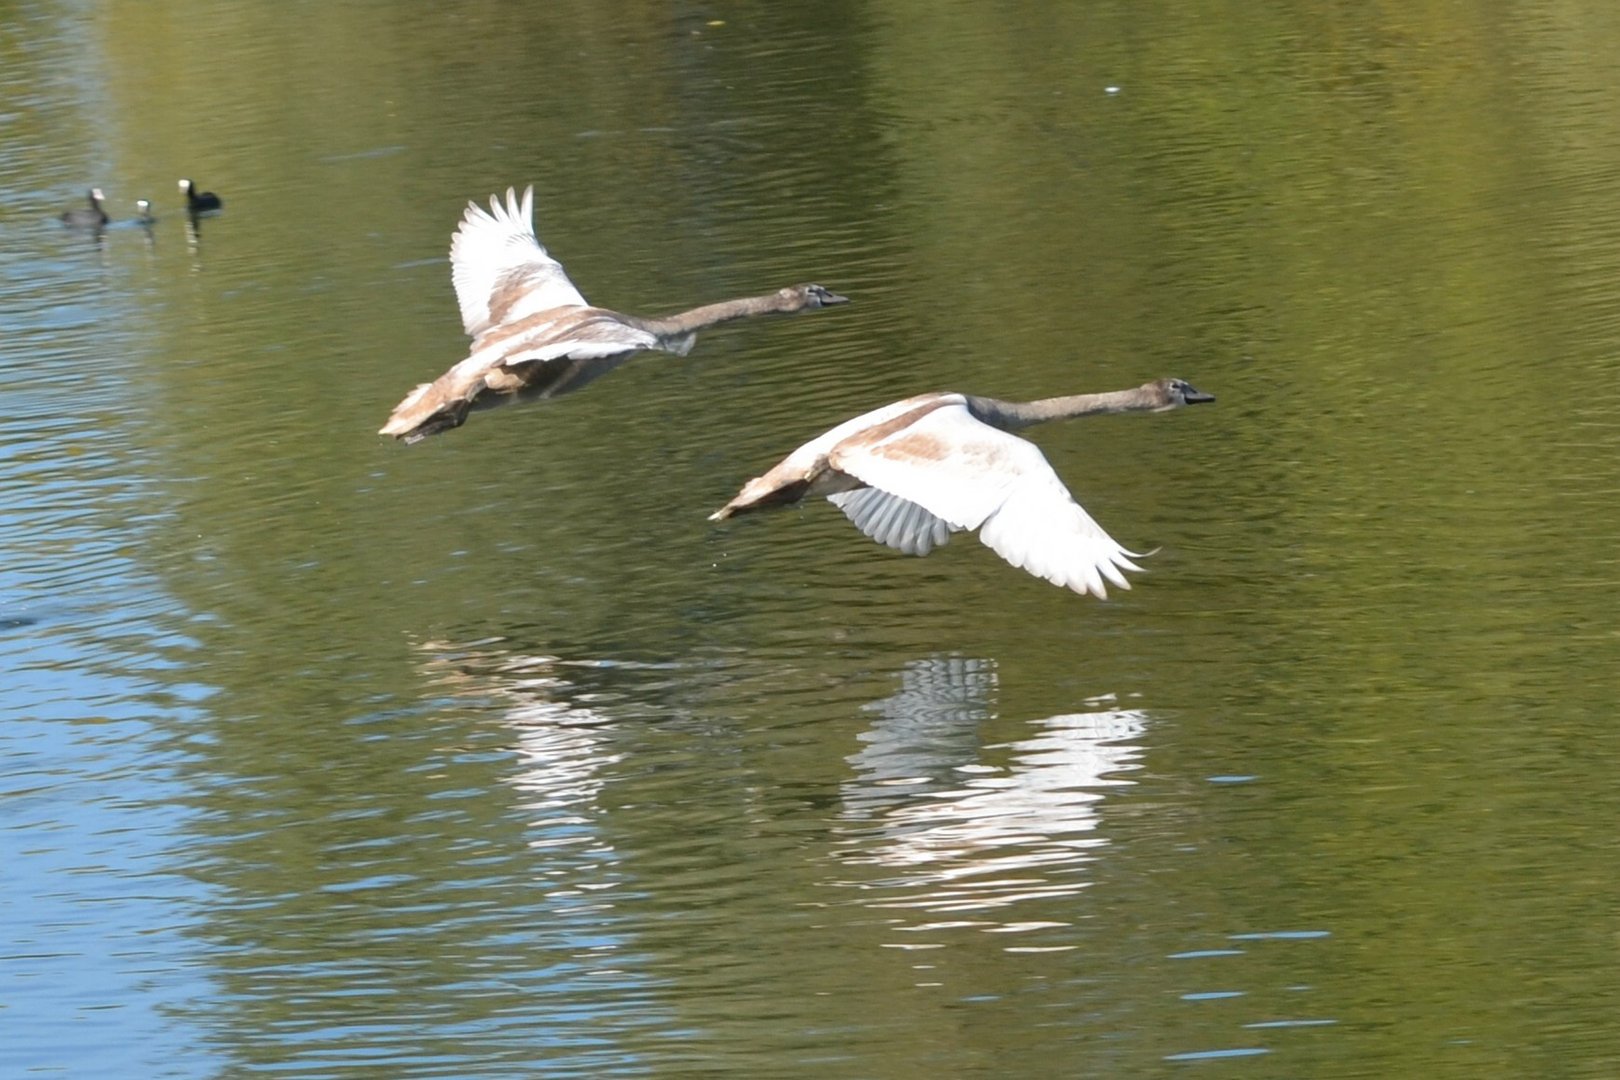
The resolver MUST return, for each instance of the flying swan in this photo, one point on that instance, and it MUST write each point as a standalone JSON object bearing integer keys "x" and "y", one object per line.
{"x": 911, "y": 473}
{"x": 534, "y": 336}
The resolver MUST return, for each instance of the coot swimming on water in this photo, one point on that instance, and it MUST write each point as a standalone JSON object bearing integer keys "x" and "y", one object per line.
{"x": 200, "y": 201}
{"x": 93, "y": 218}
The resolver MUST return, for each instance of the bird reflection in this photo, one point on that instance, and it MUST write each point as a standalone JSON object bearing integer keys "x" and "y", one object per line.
{"x": 539, "y": 925}
{"x": 929, "y": 726}
{"x": 561, "y": 748}
{"x": 958, "y": 833}
{"x": 194, "y": 240}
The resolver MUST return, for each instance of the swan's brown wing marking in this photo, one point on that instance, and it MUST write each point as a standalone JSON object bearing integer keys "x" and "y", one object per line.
{"x": 974, "y": 476}
{"x": 939, "y": 457}
{"x": 792, "y": 478}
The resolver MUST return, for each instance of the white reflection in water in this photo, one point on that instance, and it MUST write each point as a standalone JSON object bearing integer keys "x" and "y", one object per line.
{"x": 925, "y": 730}
{"x": 562, "y": 748}
{"x": 537, "y": 952}
{"x": 563, "y": 752}
{"x": 965, "y": 835}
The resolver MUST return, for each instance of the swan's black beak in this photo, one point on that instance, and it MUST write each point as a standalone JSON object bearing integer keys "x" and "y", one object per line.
{"x": 812, "y": 295}
{"x": 1196, "y": 397}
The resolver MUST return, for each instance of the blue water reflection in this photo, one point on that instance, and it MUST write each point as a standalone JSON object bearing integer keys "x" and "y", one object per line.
{"x": 98, "y": 913}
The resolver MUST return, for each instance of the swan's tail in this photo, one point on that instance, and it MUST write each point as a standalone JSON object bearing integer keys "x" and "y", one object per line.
{"x": 424, "y": 412}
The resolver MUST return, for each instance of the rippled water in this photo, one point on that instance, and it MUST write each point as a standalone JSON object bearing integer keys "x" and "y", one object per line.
{"x": 492, "y": 757}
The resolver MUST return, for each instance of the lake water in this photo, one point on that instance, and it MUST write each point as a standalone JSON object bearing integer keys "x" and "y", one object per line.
{"x": 324, "y": 756}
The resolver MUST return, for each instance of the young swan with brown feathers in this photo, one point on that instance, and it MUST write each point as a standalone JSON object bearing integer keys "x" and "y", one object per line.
{"x": 534, "y": 336}
{"x": 911, "y": 473}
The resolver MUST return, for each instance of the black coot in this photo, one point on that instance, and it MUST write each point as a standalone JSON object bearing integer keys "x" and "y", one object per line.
{"x": 92, "y": 218}
{"x": 198, "y": 202}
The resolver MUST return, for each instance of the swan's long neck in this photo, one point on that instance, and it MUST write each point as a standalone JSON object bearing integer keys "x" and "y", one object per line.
{"x": 1012, "y": 415}
{"x": 689, "y": 322}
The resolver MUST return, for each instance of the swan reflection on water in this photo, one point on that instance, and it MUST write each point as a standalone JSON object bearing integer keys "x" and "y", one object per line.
{"x": 561, "y": 748}
{"x": 959, "y": 833}
{"x": 929, "y": 816}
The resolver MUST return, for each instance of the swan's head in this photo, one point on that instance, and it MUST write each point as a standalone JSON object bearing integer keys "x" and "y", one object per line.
{"x": 185, "y": 186}
{"x": 801, "y": 297}
{"x": 1174, "y": 393}
{"x": 96, "y": 196}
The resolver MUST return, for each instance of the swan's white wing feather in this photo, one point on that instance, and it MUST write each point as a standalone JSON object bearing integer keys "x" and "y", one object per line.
{"x": 973, "y": 476}
{"x": 575, "y": 348}
{"x": 1041, "y": 529}
{"x": 891, "y": 520}
{"x": 570, "y": 333}
{"x": 493, "y": 356}
{"x": 500, "y": 271}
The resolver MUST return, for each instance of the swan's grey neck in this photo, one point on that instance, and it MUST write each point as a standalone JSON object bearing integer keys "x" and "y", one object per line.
{"x": 1012, "y": 415}
{"x": 688, "y": 322}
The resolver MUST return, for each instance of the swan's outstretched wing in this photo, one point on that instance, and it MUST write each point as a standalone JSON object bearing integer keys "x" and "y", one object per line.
{"x": 973, "y": 476}
{"x": 791, "y": 479}
{"x": 891, "y": 520}
{"x": 500, "y": 271}
{"x": 1040, "y": 528}
{"x": 539, "y": 357}
{"x": 575, "y": 334}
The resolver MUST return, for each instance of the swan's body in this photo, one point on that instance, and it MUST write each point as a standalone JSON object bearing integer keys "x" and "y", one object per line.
{"x": 911, "y": 473}
{"x": 200, "y": 202}
{"x": 92, "y": 217}
{"x": 534, "y": 336}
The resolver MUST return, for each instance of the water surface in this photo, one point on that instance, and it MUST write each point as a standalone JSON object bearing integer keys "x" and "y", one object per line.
{"x": 492, "y": 757}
